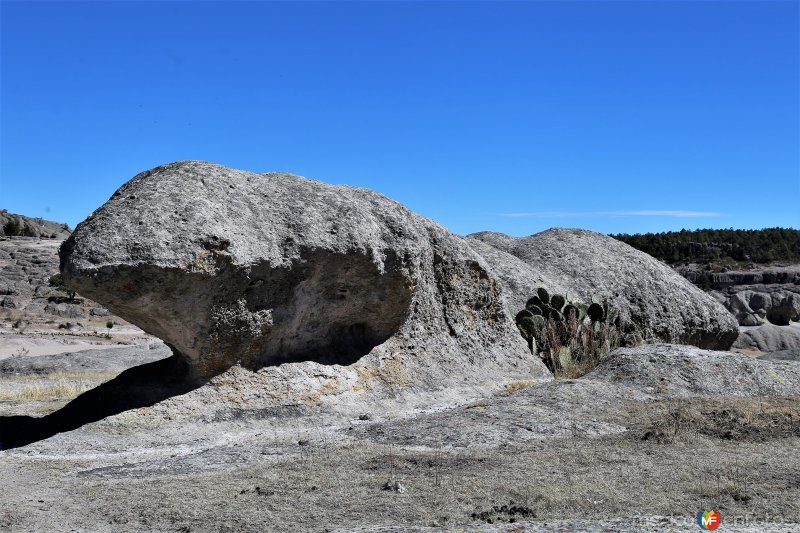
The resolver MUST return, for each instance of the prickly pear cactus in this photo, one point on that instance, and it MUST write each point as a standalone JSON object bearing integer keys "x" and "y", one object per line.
{"x": 595, "y": 312}
{"x": 571, "y": 313}
{"x": 576, "y": 341}
{"x": 534, "y": 301}
{"x": 553, "y": 314}
{"x": 544, "y": 296}
{"x": 526, "y": 326}
{"x": 564, "y": 357}
{"x": 557, "y": 302}
{"x": 573, "y": 298}
{"x": 522, "y": 314}
{"x": 535, "y": 309}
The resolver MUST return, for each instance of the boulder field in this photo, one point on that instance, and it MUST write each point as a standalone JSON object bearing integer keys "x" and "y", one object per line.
{"x": 234, "y": 268}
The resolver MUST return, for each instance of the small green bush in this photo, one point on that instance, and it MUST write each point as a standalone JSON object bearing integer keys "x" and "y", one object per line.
{"x": 57, "y": 282}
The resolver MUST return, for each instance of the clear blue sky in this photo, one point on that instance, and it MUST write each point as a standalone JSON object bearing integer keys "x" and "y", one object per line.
{"x": 515, "y": 117}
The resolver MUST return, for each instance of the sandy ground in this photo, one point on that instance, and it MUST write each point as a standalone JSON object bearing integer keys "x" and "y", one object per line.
{"x": 41, "y": 338}
{"x": 26, "y": 347}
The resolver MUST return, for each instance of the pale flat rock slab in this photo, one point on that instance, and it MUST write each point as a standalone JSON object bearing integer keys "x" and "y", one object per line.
{"x": 675, "y": 370}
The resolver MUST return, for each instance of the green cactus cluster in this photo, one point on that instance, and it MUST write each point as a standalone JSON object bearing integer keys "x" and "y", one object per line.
{"x": 562, "y": 328}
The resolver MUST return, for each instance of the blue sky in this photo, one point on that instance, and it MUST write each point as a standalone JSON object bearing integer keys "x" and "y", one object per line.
{"x": 507, "y": 116}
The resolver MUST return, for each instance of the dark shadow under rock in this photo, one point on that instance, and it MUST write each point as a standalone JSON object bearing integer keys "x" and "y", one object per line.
{"x": 140, "y": 386}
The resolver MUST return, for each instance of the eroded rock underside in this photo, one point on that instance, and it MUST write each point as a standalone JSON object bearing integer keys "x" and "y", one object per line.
{"x": 256, "y": 270}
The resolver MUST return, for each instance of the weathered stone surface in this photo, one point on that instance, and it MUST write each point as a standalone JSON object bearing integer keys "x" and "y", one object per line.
{"x": 229, "y": 267}
{"x": 659, "y": 302}
{"x": 769, "y": 338}
{"x": 763, "y": 304}
{"x": 26, "y": 265}
{"x": 671, "y": 370}
{"x": 518, "y": 277}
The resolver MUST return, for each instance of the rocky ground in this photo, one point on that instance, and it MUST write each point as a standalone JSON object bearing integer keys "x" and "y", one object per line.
{"x": 37, "y": 318}
{"x": 644, "y": 442}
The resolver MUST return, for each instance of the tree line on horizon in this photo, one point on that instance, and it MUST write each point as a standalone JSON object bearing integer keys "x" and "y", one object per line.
{"x": 767, "y": 245}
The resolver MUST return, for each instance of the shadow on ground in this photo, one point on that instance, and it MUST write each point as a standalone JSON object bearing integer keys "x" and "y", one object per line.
{"x": 140, "y": 386}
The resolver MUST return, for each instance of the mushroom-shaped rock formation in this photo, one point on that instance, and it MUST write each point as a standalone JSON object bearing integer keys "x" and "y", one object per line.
{"x": 652, "y": 298}
{"x": 236, "y": 268}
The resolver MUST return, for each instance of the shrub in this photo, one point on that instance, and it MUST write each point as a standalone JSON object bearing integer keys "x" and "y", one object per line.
{"x": 12, "y": 228}
{"x": 57, "y": 282}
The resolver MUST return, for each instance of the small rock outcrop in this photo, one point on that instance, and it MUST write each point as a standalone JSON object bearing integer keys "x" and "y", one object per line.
{"x": 763, "y": 275}
{"x": 26, "y": 267}
{"x": 769, "y": 338}
{"x": 255, "y": 270}
{"x": 12, "y": 225}
{"x": 778, "y": 305}
{"x": 652, "y": 298}
{"x": 673, "y": 370}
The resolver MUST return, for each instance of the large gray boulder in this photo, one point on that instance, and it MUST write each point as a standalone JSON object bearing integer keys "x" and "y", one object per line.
{"x": 256, "y": 270}
{"x": 651, "y": 297}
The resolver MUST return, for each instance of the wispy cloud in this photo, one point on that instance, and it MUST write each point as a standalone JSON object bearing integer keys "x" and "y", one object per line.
{"x": 643, "y": 213}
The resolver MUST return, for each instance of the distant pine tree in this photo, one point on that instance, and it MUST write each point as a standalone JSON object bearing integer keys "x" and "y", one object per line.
{"x": 708, "y": 245}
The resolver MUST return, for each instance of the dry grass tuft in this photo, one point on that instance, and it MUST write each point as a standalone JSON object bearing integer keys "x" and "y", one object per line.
{"x": 518, "y": 385}
{"x": 584, "y": 343}
{"x": 47, "y": 391}
{"x": 62, "y": 385}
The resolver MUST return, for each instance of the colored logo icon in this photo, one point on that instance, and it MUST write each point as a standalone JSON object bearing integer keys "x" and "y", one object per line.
{"x": 708, "y": 519}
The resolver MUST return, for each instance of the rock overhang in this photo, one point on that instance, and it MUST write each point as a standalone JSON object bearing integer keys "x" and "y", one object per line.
{"x": 230, "y": 267}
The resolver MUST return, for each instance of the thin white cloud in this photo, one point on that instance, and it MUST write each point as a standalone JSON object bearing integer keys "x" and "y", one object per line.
{"x": 642, "y": 213}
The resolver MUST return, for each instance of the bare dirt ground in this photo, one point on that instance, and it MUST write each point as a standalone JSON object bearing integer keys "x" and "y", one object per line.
{"x": 598, "y": 453}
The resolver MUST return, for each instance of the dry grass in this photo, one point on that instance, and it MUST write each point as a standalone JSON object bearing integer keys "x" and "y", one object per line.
{"x": 46, "y": 391}
{"x": 585, "y": 345}
{"x": 736, "y": 419}
{"x": 62, "y": 385}
{"x": 325, "y": 485}
{"x": 518, "y": 385}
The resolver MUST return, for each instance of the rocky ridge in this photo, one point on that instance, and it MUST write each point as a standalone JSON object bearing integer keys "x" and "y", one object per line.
{"x": 12, "y": 225}
{"x": 753, "y": 305}
{"x": 763, "y": 275}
